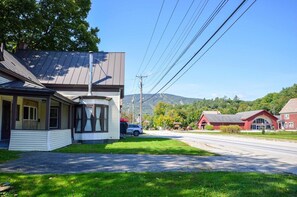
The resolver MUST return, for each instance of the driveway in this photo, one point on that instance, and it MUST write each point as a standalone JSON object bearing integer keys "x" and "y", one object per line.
{"x": 235, "y": 160}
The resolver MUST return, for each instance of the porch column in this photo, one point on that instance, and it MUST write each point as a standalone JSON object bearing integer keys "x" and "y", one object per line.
{"x": 14, "y": 111}
{"x": 47, "y": 112}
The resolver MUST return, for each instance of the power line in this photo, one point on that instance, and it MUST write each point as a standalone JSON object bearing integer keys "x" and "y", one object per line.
{"x": 230, "y": 16}
{"x": 205, "y": 25}
{"x": 161, "y": 36}
{"x": 211, "y": 45}
{"x": 173, "y": 35}
{"x": 183, "y": 36}
{"x": 151, "y": 36}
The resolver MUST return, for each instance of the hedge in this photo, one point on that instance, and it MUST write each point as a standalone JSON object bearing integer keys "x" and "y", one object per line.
{"x": 230, "y": 129}
{"x": 209, "y": 127}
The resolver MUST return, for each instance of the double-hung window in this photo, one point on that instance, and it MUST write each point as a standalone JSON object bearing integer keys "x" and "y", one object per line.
{"x": 54, "y": 118}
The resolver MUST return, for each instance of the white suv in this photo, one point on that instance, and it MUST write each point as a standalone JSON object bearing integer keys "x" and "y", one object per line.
{"x": 134, "y": 129}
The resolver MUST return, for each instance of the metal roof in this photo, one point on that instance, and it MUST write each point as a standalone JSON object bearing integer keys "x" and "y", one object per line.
{"x": 248, "y": 114}
{"x": 19, "y": 85}
{"x": 13, "y": 67}
{"x": 223, "y": 118}
{"x": 72, "y": 68}
{"x": 290, "y": 107}
{"x": 232, "y": 118}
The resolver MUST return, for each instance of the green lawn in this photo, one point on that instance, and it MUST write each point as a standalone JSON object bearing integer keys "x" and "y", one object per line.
{"x": 137, "y": 145}
{"x": 285, "y": 135}
{"x": 6, "y": 155}
{"x": 217, "y": 184}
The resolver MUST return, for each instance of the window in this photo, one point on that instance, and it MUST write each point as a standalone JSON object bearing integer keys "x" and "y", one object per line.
{"x": 291, "y": 125}
{"x": 30, "y": 113}
{"x": 18, "y": 113}
{"x": 91, "y": 118}
{"x": 259, "y": 123}
{"x": 54, "y": 118}
{"x": 287, "y": 116}
{"x": 78, "y": 118}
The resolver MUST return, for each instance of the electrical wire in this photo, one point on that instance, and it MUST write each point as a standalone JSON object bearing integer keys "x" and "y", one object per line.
{"x": 154, "y": 51}
{"x": 205, "y": 25}
{"x": 196, "y": 53}
{"x": 210, "y": 46}
{"x": 151, "y": 37}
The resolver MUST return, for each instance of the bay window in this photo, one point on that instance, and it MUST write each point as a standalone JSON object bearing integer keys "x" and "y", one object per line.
{"x": 91, "y": 118}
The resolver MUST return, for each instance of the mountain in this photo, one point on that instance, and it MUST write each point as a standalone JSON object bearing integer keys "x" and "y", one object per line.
{"x": 148, "y": 105}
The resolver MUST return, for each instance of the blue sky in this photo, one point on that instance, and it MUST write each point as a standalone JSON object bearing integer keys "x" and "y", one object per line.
{"x": 258, "y": 55}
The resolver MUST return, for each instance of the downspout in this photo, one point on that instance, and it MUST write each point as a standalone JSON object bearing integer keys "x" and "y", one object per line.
{"x": 90, "y": 73}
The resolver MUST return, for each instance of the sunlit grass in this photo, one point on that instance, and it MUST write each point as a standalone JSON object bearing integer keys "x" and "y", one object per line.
{"x": 6, "y": 155}
{"x": 152, "y": 184}
{"x": 136, "y": 145}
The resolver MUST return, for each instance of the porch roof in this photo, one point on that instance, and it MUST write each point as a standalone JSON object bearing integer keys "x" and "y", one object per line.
{"x": 23, "y": 87}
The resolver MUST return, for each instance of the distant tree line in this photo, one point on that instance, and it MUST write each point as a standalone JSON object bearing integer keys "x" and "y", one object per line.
{"x": 166, "y": 114}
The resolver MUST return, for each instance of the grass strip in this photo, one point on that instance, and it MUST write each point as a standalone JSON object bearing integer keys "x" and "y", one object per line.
{"x": 137, "y": 145}
{"x": 217, "y": 184}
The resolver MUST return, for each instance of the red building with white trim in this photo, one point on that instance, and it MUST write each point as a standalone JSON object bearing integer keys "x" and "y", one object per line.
{"x": 250, "y": 120}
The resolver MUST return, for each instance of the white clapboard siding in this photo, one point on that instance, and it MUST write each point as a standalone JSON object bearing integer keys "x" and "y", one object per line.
{"x": 39, "y": 140}
{"x": 59, "y": 138}
{"x": 4, "y": 80}
{"x": 28, "y": 140}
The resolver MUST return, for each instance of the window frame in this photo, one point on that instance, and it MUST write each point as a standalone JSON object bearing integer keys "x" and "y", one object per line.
{"x": 102, "y": 118}
{"x": 29, "y": 113}
{"x": 58, "y": 117}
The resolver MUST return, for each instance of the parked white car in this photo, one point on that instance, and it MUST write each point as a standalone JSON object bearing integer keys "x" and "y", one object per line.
{"x": 134, "y": 129}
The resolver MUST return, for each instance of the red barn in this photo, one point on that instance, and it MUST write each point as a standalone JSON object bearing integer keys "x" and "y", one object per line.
{"x": 250, "y": 120}
{"x": 288, "y": 115}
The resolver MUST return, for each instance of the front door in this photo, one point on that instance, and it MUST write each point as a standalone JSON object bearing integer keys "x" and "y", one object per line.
{"x": 5, "y": 129}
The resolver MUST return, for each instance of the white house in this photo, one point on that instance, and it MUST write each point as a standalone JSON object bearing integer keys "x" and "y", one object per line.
{"x": 48, "y": 99}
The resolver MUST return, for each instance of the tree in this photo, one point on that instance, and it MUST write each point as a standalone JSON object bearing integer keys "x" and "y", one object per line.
{"x": 47, "y": 25}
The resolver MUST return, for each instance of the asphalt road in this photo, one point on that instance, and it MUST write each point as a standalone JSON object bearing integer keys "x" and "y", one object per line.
{"x": 236, "y": 154}
{"x": 280, "y": 152}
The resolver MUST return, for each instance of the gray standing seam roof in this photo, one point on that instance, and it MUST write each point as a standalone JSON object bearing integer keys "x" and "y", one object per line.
{"x": 12, "y": 66}
{"x": 247, "y": 114}
{"x": 224, "y": 118}
{"x": 72, "y": 68}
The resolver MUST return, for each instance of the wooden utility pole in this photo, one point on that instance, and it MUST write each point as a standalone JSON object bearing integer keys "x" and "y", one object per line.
{"x": 140, "y": 99}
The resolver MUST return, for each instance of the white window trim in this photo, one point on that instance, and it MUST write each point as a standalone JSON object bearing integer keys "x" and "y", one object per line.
{"x": 29, "y": 112}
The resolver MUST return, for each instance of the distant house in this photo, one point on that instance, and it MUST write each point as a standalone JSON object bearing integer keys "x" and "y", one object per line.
{"x": 250, "y": 120}
{"x": 288, "y": 115}
{"x": 47, "y": 99}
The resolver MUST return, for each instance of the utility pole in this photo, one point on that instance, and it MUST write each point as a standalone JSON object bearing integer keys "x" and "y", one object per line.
{"x": 140, "y": 99}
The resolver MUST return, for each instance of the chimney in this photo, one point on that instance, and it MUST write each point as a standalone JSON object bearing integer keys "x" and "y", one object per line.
{"x": 2, "y": 52}
{"x": 90, "y": 73}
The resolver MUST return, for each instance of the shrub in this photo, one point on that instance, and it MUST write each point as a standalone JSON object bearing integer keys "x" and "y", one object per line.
{"x": 230, "y": 129}
{"x": 209, "y": 127}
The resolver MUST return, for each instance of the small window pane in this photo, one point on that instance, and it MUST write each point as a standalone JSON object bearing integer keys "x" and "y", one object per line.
{"x": 26, "y": 113}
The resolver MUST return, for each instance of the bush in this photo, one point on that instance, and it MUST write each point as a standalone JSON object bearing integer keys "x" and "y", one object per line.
{"x": 209, "y": 127}
{"x": 230, "y": 129}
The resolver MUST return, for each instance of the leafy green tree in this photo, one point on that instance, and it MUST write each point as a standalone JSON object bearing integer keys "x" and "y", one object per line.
{"x": 47, "y": 25}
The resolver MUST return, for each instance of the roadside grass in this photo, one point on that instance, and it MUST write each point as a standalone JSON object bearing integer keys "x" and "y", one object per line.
{"x": 137, "y": 145}
{"x": 285, "y": 135}
{"x": 6, "y": 155}
{"x": 217, "y": 184}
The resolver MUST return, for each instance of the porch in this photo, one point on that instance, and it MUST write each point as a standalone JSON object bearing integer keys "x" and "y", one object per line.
{"x": 35, "y": 122}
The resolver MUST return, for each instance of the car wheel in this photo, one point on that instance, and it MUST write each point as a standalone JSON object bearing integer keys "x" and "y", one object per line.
{"x": 136, "y": 133}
